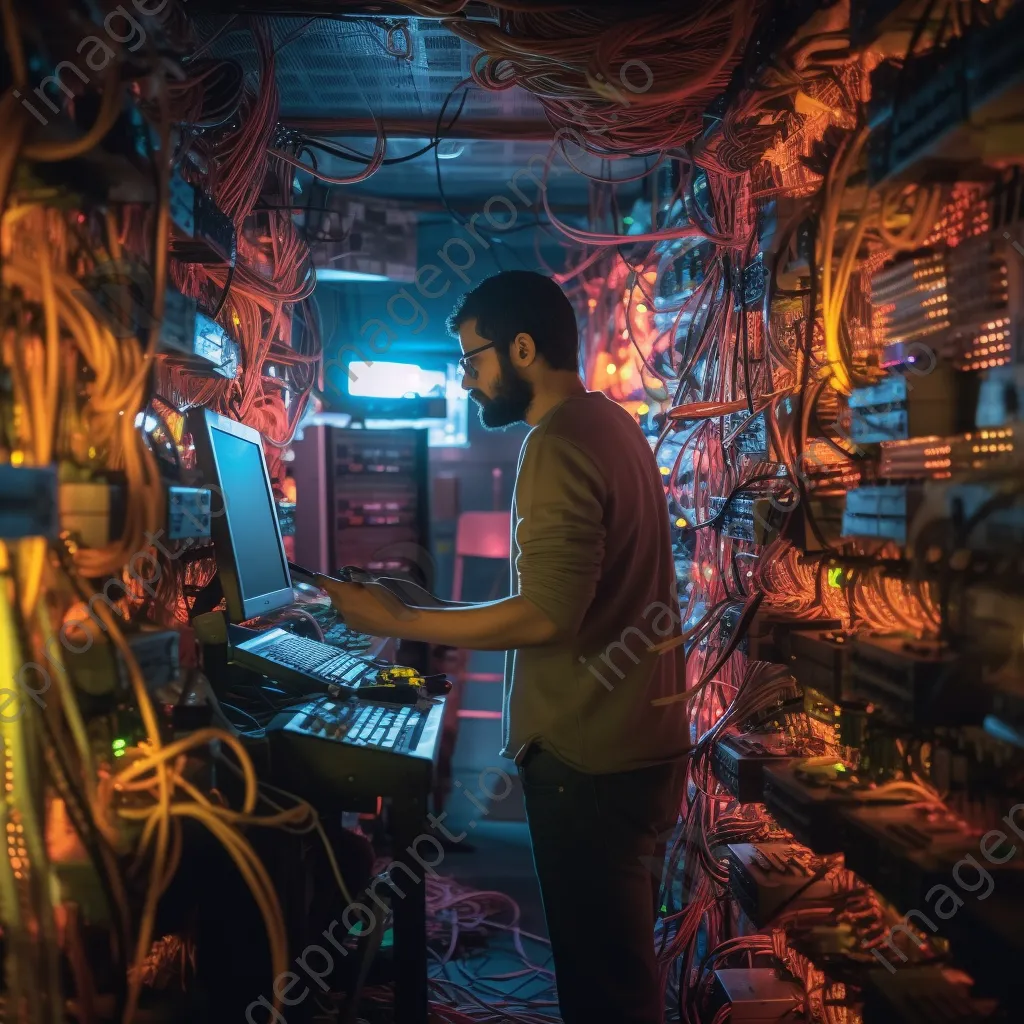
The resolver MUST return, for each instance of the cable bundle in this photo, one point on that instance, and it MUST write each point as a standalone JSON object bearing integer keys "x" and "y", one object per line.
{"x": 743, "y": 398}
{"x": 119, "y": 368}
{"x": 241, "y": 155}
{"x": 209, "y": 94}
{"x": 639, "y": 86}
{"x": 263, "y": 311}
{"x": 456, "y": 911}
{"x": 78, "y": 386}
{"x": 462, "y": 990}
{"x": 269, "y": 283}
{"x": 804, "y": 70}
{"x": 900, "y": 218}
{"x": 711, "y": 818}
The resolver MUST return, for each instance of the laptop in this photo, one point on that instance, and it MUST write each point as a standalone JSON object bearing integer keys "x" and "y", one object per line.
{"x": 253, "y": 568}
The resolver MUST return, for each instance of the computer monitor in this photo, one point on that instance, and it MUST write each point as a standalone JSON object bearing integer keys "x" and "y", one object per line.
{"x": 251, "y": 560}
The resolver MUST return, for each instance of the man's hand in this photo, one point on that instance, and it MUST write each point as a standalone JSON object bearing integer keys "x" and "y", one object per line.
{"x": 498, "y": 626}
{"x": 367, "y": 608}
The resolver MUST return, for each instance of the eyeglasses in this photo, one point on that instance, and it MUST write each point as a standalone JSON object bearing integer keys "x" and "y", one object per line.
{"x": 465, "y": 364}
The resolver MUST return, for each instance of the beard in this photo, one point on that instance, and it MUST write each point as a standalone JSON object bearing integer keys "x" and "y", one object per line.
{"x": 512, "y": 398}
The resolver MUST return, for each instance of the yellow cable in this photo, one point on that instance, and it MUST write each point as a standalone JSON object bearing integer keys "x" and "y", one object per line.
{"x": 44, "y": 444}
{"x": 835, "y": 280}
{"x": 343, "y": 888}
{"x": 159, "y": 861}
{"x": 159, "y": 817}
{"x": 199, "y": 738}
{"x": 120, "y": 370}
{"x": 120, "y": 376}
{"x": 927, "y": 201}
{"x": 40, "y": 400}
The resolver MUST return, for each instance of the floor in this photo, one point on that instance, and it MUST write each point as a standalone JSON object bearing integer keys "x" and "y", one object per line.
{"x": 490, "y": 887}
{"x": 493, "y": 856}
{"x": 489, "y": 958}
{"x": 495, "y": 964}
{"x": 490, "y": 854}
{"x": 487, "y": 941}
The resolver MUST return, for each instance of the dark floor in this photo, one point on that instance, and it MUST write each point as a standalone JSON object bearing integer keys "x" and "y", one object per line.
{"x": 499, "y": 859}
{"x": 487, "y": 940}
{"x": 492, "y": 855}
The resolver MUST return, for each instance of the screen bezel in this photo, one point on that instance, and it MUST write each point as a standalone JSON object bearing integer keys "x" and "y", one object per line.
{"x": 202, "y": 423}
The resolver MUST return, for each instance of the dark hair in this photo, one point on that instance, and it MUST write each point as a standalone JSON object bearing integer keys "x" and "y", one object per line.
{"x": 521, "y": 301}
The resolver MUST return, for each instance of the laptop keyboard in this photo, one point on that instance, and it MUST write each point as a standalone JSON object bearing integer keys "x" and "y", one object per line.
{"x": 317, "y": 659}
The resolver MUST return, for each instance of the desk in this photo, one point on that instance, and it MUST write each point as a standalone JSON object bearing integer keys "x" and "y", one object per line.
{"x": 313, "y": 758}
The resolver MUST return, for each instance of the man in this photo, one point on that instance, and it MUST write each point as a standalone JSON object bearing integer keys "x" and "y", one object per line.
{"x": 593, "y": 602}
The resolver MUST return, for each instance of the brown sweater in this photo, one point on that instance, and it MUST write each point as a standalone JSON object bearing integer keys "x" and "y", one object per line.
{"x": 591, "y": 548}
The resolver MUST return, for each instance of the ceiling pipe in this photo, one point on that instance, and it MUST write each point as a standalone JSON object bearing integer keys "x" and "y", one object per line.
{"x": 475, "y": 10}
{"x": 511, "y": 129}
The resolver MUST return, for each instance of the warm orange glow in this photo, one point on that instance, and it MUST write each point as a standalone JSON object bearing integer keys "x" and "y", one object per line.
{"x": 62, "y": 841}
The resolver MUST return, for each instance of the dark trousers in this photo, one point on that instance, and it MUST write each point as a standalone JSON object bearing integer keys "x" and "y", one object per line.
{"x": 598, "y": 842}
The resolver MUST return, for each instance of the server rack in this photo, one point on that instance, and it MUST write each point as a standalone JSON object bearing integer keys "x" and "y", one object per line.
{"x": 363, "y": 499}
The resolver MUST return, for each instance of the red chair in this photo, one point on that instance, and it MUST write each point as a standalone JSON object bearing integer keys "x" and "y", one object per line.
{"x": 477, "y": 535}
{"x": 480, "y": 535}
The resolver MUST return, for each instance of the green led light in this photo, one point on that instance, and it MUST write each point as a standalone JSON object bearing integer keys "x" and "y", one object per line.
{"x": 627, "y": 221}
{"x": 120, "y": 744}
{"x": 119, "y": 753}
{"x": 835, "y": 577}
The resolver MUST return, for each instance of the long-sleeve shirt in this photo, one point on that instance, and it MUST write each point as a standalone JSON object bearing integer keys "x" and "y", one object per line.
{"x": 591, "y": 548}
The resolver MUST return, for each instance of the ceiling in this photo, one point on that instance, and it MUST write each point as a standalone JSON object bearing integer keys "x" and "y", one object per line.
{"x": 340, "y": 67}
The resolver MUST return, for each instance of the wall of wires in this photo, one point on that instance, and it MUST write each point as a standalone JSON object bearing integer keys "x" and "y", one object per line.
{"x": 139, "y": 279}
{"x": 813, "y": 315}
{"x": 742, "y": 316}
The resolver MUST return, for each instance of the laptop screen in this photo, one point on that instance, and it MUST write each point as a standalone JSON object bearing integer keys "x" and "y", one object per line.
{"x": 251, "y": 516}
{"x": 250, "y": 554}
